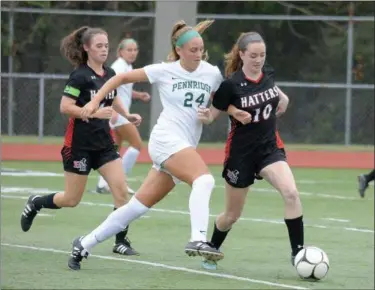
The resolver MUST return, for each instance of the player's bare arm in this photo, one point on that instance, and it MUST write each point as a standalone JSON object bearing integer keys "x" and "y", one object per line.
{"x": 68, "y": 107}
{"x": 240, "y": 115}
{"x": 143, "y": 96}
{"x": 135, "y": 76}
{"x": 283, "y": 103}
{"x": 120, "y": 109}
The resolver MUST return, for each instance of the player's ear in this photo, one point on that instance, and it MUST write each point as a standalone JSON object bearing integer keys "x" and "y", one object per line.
{"x": 241, "y": 54}
{"x": 86, "y": 47}
{"x": 178, "y": 50}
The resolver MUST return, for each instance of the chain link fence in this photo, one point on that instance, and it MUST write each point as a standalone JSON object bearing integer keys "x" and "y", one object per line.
{"x": 314, "y": 77}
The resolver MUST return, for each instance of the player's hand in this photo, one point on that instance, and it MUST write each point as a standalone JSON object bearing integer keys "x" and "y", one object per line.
{"x": 88, "y": 110}
{"x": 204, "y": 115}
{"x": 144, "y": 97}
{"x": 281, "y": 109}
{"x": 135, "y": 119}
{"x": 104, "y": 113}
{"x": 242, "y": 116}
{"x": 114, "y": 117}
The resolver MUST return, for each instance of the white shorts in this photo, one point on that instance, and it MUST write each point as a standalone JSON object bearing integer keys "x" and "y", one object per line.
{"x": 161, "y": 147}
{"x": 119, "y": 122}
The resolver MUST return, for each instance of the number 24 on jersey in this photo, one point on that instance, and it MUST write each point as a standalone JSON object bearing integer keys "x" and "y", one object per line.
{"x": 189, "y": 99}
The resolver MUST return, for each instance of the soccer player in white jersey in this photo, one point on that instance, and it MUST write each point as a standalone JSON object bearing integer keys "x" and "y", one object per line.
{"x": 124, "y": 130}
{"x": 185, "y": 83}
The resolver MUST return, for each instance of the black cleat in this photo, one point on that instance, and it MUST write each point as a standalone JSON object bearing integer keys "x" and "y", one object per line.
{"x": 78, "y": 253}
{"x": 294, "y": 254}
{"x": 362, "y": 185}
{"x": 204, "y": 249}
{"x": 125, "y": 248}
{"x": 29, "y": 213}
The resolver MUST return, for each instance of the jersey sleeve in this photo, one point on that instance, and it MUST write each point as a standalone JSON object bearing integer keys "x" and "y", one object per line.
{"x": 217, "y": 79}
{"x": 154, "y": 72}
{"x": 223, "y": 96}
{"x": 112, "y": 72}
{"x": 74, "y": 85}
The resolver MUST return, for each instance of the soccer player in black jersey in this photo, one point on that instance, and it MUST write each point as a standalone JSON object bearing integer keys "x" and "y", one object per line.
{"x": 253, "y": 148}
{"x": 363, "y": 181}
{"x": 88, "y": 144}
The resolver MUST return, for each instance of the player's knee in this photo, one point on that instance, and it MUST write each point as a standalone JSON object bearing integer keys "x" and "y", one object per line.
{"x": 205, "y": 181}
{"x": 291, "y": 195}
{"x": 136, "y": 145}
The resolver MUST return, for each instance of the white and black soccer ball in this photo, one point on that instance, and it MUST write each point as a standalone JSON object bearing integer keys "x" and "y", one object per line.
{"x": 312, "y": 263}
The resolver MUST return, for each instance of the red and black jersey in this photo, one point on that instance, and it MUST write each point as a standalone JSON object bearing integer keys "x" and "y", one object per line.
{"x": 83, "y": 84}
{"x": 258, "y": 97}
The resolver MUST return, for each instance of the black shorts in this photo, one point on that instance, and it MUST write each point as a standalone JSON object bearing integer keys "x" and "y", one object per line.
{"x": 241, "y": 172}
{"x": 82, "y": 161}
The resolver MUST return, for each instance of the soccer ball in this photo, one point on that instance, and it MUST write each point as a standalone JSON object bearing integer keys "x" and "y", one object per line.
{"x": 311, "y": 263}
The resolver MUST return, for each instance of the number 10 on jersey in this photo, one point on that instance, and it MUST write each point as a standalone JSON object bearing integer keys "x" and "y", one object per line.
{"x": 189, "y": 99}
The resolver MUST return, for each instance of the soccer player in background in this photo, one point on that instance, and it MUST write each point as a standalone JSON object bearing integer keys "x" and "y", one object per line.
{"x": 127, "y": 52}
{"x": 363, "y": 181}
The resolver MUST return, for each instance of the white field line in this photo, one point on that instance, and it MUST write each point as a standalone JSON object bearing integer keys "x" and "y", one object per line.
{"x": 30, "y": 173}
{"x": 164, "y": 266}
{"x": 270, "y": 221}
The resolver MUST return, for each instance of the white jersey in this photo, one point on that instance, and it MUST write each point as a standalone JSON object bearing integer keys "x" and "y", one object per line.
{"x": 181, "y": 93}
{"x": 124, "y": 91}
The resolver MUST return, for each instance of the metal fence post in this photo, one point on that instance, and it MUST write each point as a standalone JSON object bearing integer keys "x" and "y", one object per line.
{"x": 349, "y": 68}
{"x": 41, "y": 110}
{"x": 10, "y": 69}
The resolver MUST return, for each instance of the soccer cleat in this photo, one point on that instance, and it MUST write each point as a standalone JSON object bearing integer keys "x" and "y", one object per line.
{"x": 209, "y": 265}
{"x": 362, "y": 185}
{"x": 294, "y": 254}
{"x": 125, "y": 248}
{"x": 29, "y": 213}
{"x": 102, "y": 190}
{"x": 204, "y": 249}
{"x": 78, "y": 253}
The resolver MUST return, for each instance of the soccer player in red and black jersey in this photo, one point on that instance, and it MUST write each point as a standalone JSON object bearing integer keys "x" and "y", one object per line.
{"x": 88, "y": 144}
{"x": 254, "y": 148}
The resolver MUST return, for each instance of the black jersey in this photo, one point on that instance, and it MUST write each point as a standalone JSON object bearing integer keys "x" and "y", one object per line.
{"x": 260, "y": 98}
{"x": 83, "y": 84}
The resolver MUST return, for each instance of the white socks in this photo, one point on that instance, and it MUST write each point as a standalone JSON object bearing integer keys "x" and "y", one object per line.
{"x": 199, "y": 203}
{"x": 115, "y": 223}
{"x": 128, "y": 160}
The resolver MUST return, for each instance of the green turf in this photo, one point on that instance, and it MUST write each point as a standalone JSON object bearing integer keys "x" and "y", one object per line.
{"x": 256, "y": 248}
{"x": 310, "y": 147}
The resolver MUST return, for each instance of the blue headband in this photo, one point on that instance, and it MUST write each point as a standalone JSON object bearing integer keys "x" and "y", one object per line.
{"x": 187, "y": 36}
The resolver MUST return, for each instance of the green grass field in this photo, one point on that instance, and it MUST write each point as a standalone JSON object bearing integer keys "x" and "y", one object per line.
{"x": 310, "y": 147}
{"x": 257, "y": 254}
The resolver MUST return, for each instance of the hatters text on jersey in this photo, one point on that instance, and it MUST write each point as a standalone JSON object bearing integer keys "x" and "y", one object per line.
{"x": 259, "y": 98}
{"x": 110, "y": 96}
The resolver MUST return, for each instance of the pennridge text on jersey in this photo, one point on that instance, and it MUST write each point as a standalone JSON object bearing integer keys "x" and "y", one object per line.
{"x": 191, "y": 85}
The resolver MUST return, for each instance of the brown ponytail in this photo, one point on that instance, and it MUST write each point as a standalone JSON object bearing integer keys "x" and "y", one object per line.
{"x": 181, "y": 27}
{"x": 72, "y": 45}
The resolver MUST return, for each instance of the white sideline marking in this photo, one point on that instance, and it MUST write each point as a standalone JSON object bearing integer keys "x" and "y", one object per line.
{"x": 270, "y": 221}
{"x": 46, "y": 214}
{"x": 30, "y": 173}
{"x": 332, "y": 196}
{"x": 181, "y": 269}
{"x": 336, "y": 220}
